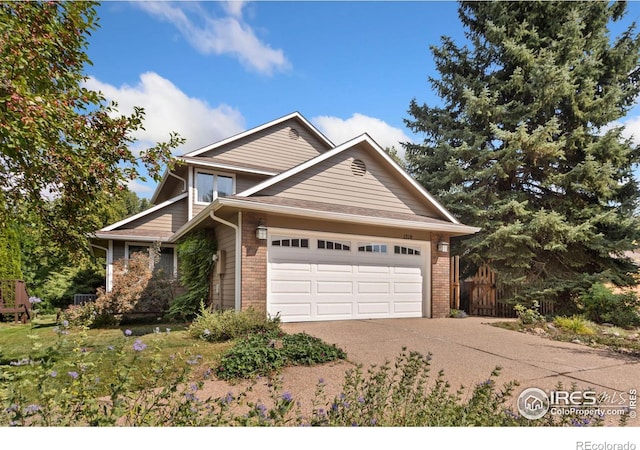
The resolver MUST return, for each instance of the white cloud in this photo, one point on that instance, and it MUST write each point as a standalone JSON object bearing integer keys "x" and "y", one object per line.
{"x": 144, "y": 190}
{"x": 220, "y": 35}
{"x": 632, "y": 129}
{"x": 339, "y": 130}
{"x": 168, "y": 109}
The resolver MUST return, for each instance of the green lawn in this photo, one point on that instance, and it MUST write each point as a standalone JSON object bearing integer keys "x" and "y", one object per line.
{"x": 169, "y": 342}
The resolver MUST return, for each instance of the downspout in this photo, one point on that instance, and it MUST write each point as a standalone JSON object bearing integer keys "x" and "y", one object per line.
{"x": 238, "y": 255}
{"x": 109, "y": 268}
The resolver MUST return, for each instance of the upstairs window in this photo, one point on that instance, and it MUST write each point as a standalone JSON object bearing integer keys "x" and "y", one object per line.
{"x": 210, "y": 186}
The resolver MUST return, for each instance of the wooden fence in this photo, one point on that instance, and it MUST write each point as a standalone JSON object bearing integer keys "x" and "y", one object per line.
{"x": 482, "y": 295}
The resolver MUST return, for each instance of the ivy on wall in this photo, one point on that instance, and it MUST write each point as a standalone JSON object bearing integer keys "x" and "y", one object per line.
{"x": 195, "y": 258}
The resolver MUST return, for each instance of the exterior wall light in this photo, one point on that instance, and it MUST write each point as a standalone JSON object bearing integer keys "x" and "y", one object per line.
{"x": 443, "y": 247}
{"x": 261, "y": 231}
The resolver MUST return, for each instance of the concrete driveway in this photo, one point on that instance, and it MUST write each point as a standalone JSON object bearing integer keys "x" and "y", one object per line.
{"x": 469, "y": 349}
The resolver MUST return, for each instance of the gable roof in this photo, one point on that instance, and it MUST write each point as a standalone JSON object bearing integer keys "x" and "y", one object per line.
{"x": 295, "y": 115}
{"x": 145, "y": 212}
{"x": 373, "y": 146}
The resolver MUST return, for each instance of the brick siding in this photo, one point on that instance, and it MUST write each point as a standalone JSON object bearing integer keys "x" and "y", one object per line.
{"x": 254, "y": 266}
{"x": 440, "y": 285}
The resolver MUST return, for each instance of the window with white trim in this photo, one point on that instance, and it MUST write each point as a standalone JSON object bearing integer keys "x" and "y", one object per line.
{"x": 210, "y": 186}
{"x": 278, "y": 241}
{"x": 166, "y": 262}
{"x": 401, "y": 250}
{"x": 372, "y": 247}
{"x": 334, "y": 245}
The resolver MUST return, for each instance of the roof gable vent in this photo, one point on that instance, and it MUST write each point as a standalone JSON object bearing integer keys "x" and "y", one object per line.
{"x": 294, "y": 134}
{"x": 358, "y": 168}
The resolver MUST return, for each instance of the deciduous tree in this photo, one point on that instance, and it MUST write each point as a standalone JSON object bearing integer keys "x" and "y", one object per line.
{"x": 64, "y": 151}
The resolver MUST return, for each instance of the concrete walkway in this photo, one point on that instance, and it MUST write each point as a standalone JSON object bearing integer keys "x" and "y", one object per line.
{"x": 469, "y": 349}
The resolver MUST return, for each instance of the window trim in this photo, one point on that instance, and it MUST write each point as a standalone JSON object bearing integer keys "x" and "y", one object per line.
{"x": 215, "y": 175}
{"x": 148, "y": 245}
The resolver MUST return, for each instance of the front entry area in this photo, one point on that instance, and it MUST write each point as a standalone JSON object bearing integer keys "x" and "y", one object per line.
{"x": 321, "y": 276}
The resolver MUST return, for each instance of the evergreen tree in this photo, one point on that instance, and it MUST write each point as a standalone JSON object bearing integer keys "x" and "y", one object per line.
{"x": 9, "y": 254}
{"x": 525, "y": 144}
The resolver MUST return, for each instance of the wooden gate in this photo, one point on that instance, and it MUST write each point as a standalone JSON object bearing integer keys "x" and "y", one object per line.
{"x": 483, "y": 292}
{"x": 486, "y": 298}
{"x": 454, "y": 278}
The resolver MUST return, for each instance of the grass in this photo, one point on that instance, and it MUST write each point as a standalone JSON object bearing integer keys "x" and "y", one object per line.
{"x": 32, "y": 341}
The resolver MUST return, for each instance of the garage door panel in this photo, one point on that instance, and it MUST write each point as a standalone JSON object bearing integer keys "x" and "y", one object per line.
{"x": 290, "y": 287}
{"x": 398, "y": 270}
{"x": 335, "y": 268}
{"x": 410, "y": 307}
{"x": 334, "y": 309}
{"x": 407, "y": 287}
{"x": 293, "y": 309}
{"x": 368, "y": 287}
{"x": 365, "y": 269}
{"x": 332, "y": 287}
{"x": 373, "y": 308}
{"x": 290, "y": 267}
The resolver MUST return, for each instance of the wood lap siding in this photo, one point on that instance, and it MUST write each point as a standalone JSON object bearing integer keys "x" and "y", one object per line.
{"x": 169, "y": 218}
{"x": 273, "y": 147}
{"x": 244, "y": 182}
{"x": 226, "y": 241}
{"x": 332, "y": 181}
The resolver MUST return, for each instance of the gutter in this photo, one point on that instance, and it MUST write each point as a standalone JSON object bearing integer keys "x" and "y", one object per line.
{"x": 238, "y": 255}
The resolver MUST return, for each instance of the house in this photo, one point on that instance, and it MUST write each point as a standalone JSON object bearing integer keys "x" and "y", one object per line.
{"x": 305, "y": 229}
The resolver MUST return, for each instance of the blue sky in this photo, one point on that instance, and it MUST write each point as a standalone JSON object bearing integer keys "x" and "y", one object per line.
{"x": 208, "y": 70}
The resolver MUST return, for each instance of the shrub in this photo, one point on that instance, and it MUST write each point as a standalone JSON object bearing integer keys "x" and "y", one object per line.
{"x": 136, "y": 288}
{"x": 265, "y": 353}
{"x": 130, "y": 279}
{"x": 303, "y": 349}
{"x": 457, "y": 314}
{"x": 219, "y": 326}
{"x": 574, "y": 324}
{"x": 80, "y": 315}
{"x": 529, "y": 316}
{"x": 250, "y": 356}
{"x": 601, "y": 305}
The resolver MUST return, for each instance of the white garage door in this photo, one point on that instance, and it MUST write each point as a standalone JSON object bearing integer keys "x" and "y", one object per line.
{"x": 338, "y": 277}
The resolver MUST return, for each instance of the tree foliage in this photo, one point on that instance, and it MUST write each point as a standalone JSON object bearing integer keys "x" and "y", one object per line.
{"x": 10, "y": 267}
{"x": 525, "y": 144}
{"x": 54, "y": 274}
{"x": 195, "y": 252}
{"x": 64, "y": 152}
